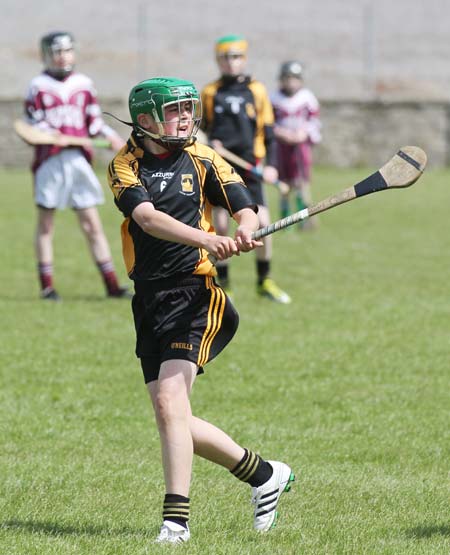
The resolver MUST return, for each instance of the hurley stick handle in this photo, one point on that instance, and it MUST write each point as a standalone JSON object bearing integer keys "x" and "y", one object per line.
{"x": 281, "y": 224}
{"x": 326, "y": 204}
{"x": 256, "y": 171}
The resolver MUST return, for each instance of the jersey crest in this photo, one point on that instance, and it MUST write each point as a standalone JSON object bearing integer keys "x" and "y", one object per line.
{"x": 187, "y": 184}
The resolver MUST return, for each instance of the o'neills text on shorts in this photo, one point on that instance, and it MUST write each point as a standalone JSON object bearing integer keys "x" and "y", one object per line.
{"x": 185, "y": 346}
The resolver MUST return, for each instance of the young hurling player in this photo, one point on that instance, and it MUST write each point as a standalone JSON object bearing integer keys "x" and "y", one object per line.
{"x": 297, "y": 130}
{"x": 65, "y": 102}
{"x": 166, "y": 186}
{"x": 238, "y": 115}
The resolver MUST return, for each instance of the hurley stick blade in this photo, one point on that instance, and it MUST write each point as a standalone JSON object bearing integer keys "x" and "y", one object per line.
{"x": 405, "y": 167}
{"x": 32, "y": 135}
{"x": 402, "y": 170}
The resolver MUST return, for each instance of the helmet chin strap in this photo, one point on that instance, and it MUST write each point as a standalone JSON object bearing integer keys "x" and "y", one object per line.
{"x": 169, "y": 142}
{"x": 146, "y": 132}
{"x": 166, "y": 141}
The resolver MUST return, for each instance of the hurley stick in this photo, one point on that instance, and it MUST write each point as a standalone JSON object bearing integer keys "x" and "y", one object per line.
{"x": 34, "y": 136}
{"x": 241, "y": 163}
{"x": 402, "y": 170}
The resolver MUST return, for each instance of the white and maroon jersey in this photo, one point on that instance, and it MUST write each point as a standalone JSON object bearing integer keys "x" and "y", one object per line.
{"x": 297, "y": 112}
{"x": 69, "y": 106}
{"x": 300, "y": 111}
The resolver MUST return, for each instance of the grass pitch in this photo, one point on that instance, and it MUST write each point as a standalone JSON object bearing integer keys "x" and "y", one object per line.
{"x": 349, "y": 384}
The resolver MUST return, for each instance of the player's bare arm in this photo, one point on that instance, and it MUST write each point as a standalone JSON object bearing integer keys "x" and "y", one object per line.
{"x": 290, "y": 136}
{"x": 247, "y": 224}
{"x": 270, "y": 174}
{"x": 161, "y": 225}
{"x": 116, "y": 141}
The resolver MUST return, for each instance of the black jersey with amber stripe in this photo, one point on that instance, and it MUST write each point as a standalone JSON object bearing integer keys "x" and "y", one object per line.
{"x": 185, "y": 185}
{"x": 237, "y": 111}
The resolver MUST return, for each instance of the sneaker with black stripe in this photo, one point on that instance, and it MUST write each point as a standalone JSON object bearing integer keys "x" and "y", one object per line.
{"x": 266, "y": 497}
{"x": 171, "y": 532}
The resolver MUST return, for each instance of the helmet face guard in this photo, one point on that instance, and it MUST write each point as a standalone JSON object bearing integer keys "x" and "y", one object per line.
{"x": 52, "y": 44}
{"x": 153, "y": 96}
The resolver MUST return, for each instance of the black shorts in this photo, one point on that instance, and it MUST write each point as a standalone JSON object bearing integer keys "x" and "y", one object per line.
{"x": 182, "y": 318}
{"x": 257, "y": 192}
{"x": 255, "y": 185}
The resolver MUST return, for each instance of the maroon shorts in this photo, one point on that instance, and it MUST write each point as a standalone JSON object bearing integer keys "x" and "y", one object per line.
{"x": 294, "y": 161}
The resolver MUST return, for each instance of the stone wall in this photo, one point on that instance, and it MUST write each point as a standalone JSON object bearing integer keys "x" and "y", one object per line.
{"x": 355, "y": 133}
{"x": 359, "y": 133}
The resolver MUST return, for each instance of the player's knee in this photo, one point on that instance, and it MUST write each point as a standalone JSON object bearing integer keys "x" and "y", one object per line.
{"x": 91, "y": 229}
{"x": 45, "y": 229}
{"x": 45, "y": 232}
{"x": 168, "y": 407}
{"x": 45, "y": 224}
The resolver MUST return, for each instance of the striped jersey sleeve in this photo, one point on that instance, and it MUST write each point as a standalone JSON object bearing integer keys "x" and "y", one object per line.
{"x": 124, "y": 181}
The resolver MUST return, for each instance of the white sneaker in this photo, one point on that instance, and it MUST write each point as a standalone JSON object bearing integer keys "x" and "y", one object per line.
{"x": 266, "y": 497}
{"x": 171, "y": 532}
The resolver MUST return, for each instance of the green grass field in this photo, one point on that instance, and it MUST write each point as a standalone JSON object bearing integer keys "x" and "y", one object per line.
{"x": 349, "y": 384}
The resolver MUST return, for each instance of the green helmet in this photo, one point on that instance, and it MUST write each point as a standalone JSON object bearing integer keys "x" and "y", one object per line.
{"x": 153, "y": 95}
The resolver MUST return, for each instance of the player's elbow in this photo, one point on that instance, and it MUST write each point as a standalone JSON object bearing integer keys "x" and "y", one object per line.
{"x": 144, "y": 215}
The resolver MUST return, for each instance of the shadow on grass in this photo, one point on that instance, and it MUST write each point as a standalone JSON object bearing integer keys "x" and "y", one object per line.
{"x": 56, "y": 529}
{"x": 428, "y": 530}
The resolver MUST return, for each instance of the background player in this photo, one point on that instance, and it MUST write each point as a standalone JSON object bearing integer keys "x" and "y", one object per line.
{"x": 297, "y": 129}
{"x": 238, "y": 115}
{"x": 166, "y": 185}
{"x": 65, "y": 102}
